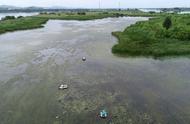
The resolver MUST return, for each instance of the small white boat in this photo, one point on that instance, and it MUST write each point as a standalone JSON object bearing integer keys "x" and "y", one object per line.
{"x": 63, "y": 86}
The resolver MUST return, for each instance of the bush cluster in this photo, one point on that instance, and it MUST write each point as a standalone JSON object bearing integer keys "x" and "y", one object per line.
{"x": 8, "y": 17}
{"x": 81, "y": 13}
{"x": 160, "y": 36}
{"x": 169, "y": 27}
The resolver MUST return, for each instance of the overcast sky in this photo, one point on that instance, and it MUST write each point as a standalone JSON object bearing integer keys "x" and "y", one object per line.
{"x": 95, "y": 3}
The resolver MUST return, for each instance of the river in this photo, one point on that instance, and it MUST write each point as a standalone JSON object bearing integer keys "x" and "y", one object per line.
{"x": 2, "y": 15}
{"x": 139, "y": 90}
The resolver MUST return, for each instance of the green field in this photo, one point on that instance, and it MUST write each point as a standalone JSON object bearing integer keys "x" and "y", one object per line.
{"x": 150, "y": 38}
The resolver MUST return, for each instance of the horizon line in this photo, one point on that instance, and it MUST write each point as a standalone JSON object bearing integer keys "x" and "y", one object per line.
{"x": 95, "y": 7}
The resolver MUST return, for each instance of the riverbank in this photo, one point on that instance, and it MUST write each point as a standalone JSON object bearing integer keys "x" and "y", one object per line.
{"x": 21, "y": 24}
{"x": 150, "y": 38}
{"x": 37, "y": 21}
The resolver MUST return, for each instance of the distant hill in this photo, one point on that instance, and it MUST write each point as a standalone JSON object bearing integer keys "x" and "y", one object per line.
{"x": 7, "y": 8}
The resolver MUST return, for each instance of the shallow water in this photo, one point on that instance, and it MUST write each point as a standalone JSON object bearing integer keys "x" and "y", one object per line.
{"x": 132, "y": 90}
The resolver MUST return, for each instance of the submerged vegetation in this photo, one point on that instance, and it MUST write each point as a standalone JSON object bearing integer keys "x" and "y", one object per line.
{"x": 161, "y": 36}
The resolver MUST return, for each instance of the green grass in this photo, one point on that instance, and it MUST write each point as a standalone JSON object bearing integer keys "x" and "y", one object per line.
{"x": 96, "y": 15}
{"x": 149, "y": 38}
{"x": 21, "y": 24}
{"x": 75, "y": 16}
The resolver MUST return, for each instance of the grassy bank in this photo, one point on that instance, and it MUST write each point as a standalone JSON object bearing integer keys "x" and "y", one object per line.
{"x": 96, "y": 15}
{"x": 38, "y": 21}
{"x": 150, "y": 38}
{"x": 21, "y": 24}
{"x": 33, "y": 22}
{"x": 75, "y": 16}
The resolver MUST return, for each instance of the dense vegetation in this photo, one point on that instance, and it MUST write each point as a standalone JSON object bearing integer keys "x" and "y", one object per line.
{"x": 152, "y": 38}
{"x": 167, "y": 23}
{"x": 8, "y": 18}
{"x": 12, "y": 24}
{"x": 82, "y": 15}
{"x": 79, "y": 15}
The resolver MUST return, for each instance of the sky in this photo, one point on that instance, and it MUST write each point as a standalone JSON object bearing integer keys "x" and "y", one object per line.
{"x": 95, "y": 3}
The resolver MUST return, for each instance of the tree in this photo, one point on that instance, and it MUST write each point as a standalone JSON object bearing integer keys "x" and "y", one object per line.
{"x": 167, "y": 23}
{"x": 81, "y": 13}
{"x": 152, "y": 12}
{"x": 20, "y": 17}
{"x": 8, "y": 18}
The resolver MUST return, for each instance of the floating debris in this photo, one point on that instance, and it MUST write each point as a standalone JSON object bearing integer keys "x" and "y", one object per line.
{"x": 57, "y": 117}
{"x": 83, "y": 58}
{"x": 103, "y": 114}
{"x": 63, "y": 86}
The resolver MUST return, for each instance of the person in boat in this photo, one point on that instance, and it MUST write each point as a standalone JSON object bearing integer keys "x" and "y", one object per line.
{"x": 103, "y": 114}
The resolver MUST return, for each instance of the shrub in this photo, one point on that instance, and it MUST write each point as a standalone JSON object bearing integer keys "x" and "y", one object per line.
{"x": 20, "y": 17}
{"x": 43, "y": 13}
{"x": 167, "y": 23}
{"x": 105, "y": 12}
{"x": 152, "y": 12}
{"x": 180, "y": 33}
{"x": 81, "y": 13}
{"x": 119, "y": 15}
{"x": 8, "y": 17}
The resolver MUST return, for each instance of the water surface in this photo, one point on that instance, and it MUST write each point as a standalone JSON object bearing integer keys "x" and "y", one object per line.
{"x": 133, "y": 90}
{"x": 24, "y": 14}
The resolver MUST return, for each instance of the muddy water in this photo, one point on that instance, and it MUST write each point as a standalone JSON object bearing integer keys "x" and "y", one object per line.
{"x": 133, "y": 90}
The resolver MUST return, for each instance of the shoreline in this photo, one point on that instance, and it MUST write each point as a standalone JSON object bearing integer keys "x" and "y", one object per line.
{"x": 37, "y": 21}
{"x": 141, "y": 39}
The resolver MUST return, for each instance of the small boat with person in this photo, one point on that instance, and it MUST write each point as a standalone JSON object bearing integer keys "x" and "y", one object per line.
{"x": 103, "y": 114}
